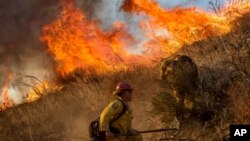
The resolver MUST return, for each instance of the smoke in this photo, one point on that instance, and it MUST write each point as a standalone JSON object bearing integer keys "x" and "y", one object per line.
{"x": 20, "y": 49}
{"x": 89, "y": 6}
{"x": 108, "y": 12}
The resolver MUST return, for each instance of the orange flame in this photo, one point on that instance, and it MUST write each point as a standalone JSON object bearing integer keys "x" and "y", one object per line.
{"x": 77, "y": 42}
{"x": 37, "y": 91}
{"x": 6, "y": 101}
{"x": 41, "y": 89}
{"x": 180, "y": 25}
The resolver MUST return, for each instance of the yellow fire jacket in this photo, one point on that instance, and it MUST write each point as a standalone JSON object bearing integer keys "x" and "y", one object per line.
{"x": 124, "y": 123}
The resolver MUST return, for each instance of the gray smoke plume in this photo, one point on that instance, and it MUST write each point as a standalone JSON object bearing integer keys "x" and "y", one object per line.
{"x": 108, "y": 12}
{"x": 20, "y": 48}
{"x": 88, "y": 6}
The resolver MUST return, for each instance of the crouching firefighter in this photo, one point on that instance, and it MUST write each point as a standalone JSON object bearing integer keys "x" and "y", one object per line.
{"x": 115, "y": 120}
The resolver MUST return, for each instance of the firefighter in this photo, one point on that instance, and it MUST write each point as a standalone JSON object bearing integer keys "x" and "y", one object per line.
{"x": 120, "y": 109}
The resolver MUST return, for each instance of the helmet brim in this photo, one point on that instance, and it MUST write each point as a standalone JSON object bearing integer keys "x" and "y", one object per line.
{"x": 116, "y": 92}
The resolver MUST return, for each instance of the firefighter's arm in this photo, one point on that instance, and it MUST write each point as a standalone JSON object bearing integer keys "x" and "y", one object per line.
{"x": 109, "y": 113}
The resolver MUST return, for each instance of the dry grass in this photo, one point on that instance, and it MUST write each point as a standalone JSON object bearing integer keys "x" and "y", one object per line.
{"x": 65, "y": 114}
